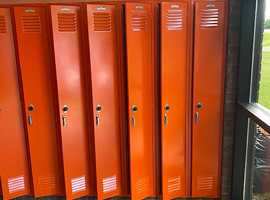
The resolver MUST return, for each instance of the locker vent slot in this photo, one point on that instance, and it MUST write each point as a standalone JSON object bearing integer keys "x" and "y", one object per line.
{"x": 78, "y": 184}
{"x": 16, "y": 184}
{"x": 174, "y": 184}
{"x": 102, "y": 21}
{"x": 174, "y": 19}
{"x": 3, "y": 24}
{"x": 205, "y": 183}
{"x": 46, "y": 183}
{"x": 109, "y": 184}
{"x": 67, "y": 22}
{"x": 209, "y": 18}
{"x": 142, "y": 185}
{"x": 31, "y": 23}
{"x": 139, "y": 20}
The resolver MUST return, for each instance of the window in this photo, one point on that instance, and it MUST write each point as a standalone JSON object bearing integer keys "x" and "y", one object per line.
{"x": 251, "y": 167}
{"x": 264, "y": 89}
{"x": 260, "y": 174}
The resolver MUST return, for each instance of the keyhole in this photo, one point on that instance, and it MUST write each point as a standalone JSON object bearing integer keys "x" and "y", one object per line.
{"x": 31, "y": 108}
{"x": 65, "y": 108}
{"x": 134, "y": 108}
{"x": 98, "y": 108}
{"x": 199, "y": 105}
{"x": 167, "y": 107}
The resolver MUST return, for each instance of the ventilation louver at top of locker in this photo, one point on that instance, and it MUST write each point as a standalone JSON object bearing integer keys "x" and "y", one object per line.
{"x": 102, "y": 21}
{"x": 67, "y": 22}
{"x": 209, "y": 18}
{"x": 139, "y": 21}
{"x": 31, "y": 23}
{"x": 174, "y": 19}
{"x": 3, "y": 24}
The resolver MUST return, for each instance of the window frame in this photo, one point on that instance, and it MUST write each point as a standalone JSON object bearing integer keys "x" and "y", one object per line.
{"x": 248, "y": 111}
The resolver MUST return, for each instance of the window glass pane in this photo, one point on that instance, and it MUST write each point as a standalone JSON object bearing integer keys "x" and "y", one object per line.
{"x": 261, "y": 165}
{"x": 264, "y": 92}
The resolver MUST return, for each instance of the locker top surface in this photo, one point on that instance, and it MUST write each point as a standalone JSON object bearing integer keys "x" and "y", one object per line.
{"x": 10, "y": 2}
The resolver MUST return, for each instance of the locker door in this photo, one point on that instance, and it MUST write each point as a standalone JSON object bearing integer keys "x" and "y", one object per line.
{"x": 103, "y": 60}
{"x": 35, "y": 68}
{"x": 207, "y": 98}
{"x": 14, "y": 170}
{"x": 174, "y": 80}
{"x": 69, "y": 74}
{"x": 140, "y": 98}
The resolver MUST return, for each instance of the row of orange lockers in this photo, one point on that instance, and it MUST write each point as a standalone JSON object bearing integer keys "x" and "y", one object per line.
{"x": 112, "y": 99}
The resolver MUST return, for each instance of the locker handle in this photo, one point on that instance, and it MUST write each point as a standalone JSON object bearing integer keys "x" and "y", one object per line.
{"x": 97, "y": 120}
{"x": 64, "y": 121}
{"x": 30, "y": 120}
{"x": 132, "y": 120}
{"x": 197, "y": 117}
{"x": 165, "y": 119}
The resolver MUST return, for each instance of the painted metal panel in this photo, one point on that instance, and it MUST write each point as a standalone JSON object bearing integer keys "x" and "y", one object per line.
{"x": 13, "y": 151}
{"x": 140, "y": 98}
{"x": 66, "y": 27}
{"x": 208, "y": 98}
{"x": 104, "y": 75}
{"x": 33, "y": 49}
{"x": 174, "y": 90}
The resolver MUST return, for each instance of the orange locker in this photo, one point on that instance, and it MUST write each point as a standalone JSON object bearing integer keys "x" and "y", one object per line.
{"x": 175, "y": 70}
{"x": 104, "y": 62}
{"x": 208, "y": 92}
{"x": 1, "y": 191}
{"x": 34, "y": 60}
{"x": 66, "y": 27}
{"x": 141, "y": 91}
{"x": 14, "y": 170}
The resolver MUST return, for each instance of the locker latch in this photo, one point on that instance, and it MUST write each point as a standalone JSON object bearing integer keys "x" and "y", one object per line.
{"x": 98, "y": 108}
{"x": 134, "y": 109}
{"x": 30, "y": 120}
{"x": 165, "y": 119}
{"x": 132, "y": 120}
{"x": 97, "y": 120}
{"x": 198, "y": 106}
{"x": 197, "y": 117}
{"x": 64, "y": 121}
{"x": 167, "y": 108}
{"x": 64, "y": 109}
